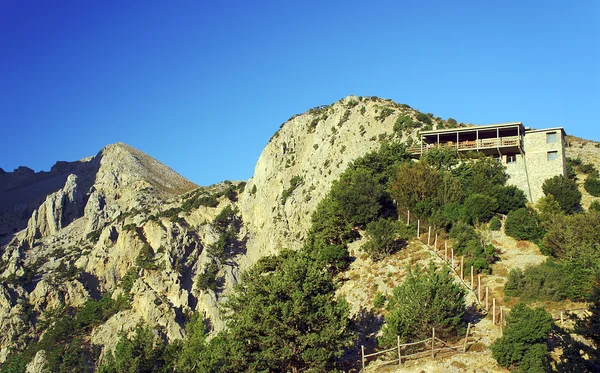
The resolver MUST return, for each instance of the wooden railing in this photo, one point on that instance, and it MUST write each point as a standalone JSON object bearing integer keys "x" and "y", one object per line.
{"x": 469, "y": 144}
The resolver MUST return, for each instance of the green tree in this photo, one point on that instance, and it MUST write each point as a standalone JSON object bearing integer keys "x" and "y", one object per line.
{"x": 509, "y": 198}
{"x": 523, "y": 224}
{"x": 523, "y": 346}
{"x": 481, "y": 175}
{"x": 565, "y": 192}
{"x": 414, "y": 183}
{"x": 574, "y": 237}
{"x": 592, "y": 186}
{"x": 137, "y": 355}
{"x": 426, "y": 299}
{"x": 287, "y": 316}
{"x": 383, "y": 238}
{"x": 358, "y": 195}
{"x": 480, "y": 207}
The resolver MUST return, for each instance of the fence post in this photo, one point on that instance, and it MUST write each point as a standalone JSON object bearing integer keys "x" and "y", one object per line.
{"x": 493, "y": 311}
{"x": 479, "y": 288}
{"x": 452, "y": 252}
{"x": 561, "y": 318}
{"x": 467, "y": 337}
{"x": 428, "y": 235}
{"x": 435, "y": 243}
{"x": 472, "y": 278}
{"x": 418, "y": 228}
{"x": 487, "y": 306}
{"x": 362, "y": 350}
{"x": 462, "y": 277}
{"x": 432, "y": 342}
{"x": 408, "y": 218}
{"x": 399, "y": 353}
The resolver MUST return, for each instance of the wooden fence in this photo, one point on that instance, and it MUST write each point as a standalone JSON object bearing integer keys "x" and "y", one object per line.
{"x": 426, "y": 347}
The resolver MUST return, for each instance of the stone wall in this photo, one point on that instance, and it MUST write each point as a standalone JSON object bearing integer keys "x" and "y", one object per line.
{"x": 531, "y": 170}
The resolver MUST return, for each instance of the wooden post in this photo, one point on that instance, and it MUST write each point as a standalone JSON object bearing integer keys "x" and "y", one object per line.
{"x": 446, "y": 251}
{"x": 479, "y": 288}
{"x": 487, "y": 305}
{"x": 452, "y": 252}
{"x": 562, "y": 321}
{"x": 428, "y": 235}
{"x": 462, "y": 277}
{"x": 467, "y": 337}
{"x": 472, "y": 278}
{"x": 418, "y": 228}
{"x": 399, "y": 353}
{"x": 408, "y": 218}
{"x": 493, "y": 311}
{"x": 362, "y": 350}
{"x": 432, "y": 341}
{"x": 435, "y": 243}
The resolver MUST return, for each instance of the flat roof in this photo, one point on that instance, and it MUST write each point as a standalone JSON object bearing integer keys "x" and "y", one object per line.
{"x": 547, "y": 129}
{"x": 473, "y": 128}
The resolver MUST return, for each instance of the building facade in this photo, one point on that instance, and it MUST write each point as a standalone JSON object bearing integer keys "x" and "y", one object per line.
{"x": 530, "y": 156}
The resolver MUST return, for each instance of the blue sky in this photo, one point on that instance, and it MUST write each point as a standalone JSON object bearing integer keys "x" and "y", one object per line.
{"x": 202, "y": 86}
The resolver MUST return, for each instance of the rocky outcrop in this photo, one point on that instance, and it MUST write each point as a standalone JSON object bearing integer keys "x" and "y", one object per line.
{"x": 58, "y": 210}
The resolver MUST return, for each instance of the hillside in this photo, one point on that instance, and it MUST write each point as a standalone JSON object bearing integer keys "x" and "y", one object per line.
{"x": 116, "y": 241}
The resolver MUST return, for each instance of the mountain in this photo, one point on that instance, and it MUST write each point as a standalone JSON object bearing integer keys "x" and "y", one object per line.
{"x": 124, "y": 227}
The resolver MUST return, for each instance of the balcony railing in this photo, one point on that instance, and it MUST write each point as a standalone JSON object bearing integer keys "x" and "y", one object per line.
{"x": 509, "y": 141}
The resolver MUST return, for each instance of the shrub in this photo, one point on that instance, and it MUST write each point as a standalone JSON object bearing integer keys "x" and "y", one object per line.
{"x": 592, "y": 186}
{"x": 555, "y": 281}
{"x": 509, "y": 198}
{"x": 426, "y": 299}
{"x": 495, "y": 224}
{"x": 480, "y": 207}
{"x": 523, "y": 224}
{"x": 588, "y": 169}
{"x": 594, "y": 206}
{"x": 383, "y": 238}
{"x": 145, "y": 258}
{"x": 452, "y": 122}
{"x": 523, "y": 346}
{"x": 565, "y": 192}
{"x": 424, "y": 118}
{"x": 385, "y": 112}
{"x": 207, "y": 278}
{"x": 295, "y": 182}
{"x": 379, "y": 300}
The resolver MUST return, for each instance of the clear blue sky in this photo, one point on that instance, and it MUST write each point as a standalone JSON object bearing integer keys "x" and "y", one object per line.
{"x": 202, "y": 86}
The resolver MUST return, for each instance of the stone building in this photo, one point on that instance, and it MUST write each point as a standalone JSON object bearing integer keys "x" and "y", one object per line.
{"x": 531, "y": 156}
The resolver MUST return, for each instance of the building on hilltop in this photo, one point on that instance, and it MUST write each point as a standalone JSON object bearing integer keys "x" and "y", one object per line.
{"x": 530, "y": 156}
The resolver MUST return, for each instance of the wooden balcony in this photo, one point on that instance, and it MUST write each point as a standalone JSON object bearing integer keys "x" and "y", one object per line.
{"x": 470, "y": 145}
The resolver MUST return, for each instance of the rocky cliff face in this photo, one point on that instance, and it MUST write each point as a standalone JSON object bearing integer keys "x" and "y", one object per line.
{"x": 122, "y": 223}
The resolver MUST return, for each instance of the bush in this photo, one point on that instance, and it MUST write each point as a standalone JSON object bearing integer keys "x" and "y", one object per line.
{"x": 145, "y": 258}
{"x": 509, "y": 198}
{"x": 383, "y": 238}
{"x": 565, "y": 192}
{"x": 480, "y": 207}
{"x": 208, "y": 277}
{"x": 594, "y": 206}
{"x": 426, "y": 299}
{"x": 523, "y": 346}
{"x": 554, "y": 281}
{"x": 592, "y": 186}
{"x": 523, "y": 224}
{"x": 495, "y": 224}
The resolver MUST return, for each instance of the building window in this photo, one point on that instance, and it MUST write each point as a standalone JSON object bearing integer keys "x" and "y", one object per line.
{"x": 552, "y": 156}
{"x": 551, "y": 138}
{"x": 511, "y": 159}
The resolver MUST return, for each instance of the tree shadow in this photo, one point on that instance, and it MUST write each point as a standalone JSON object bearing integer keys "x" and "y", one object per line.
{"x": 576, "y": 356}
